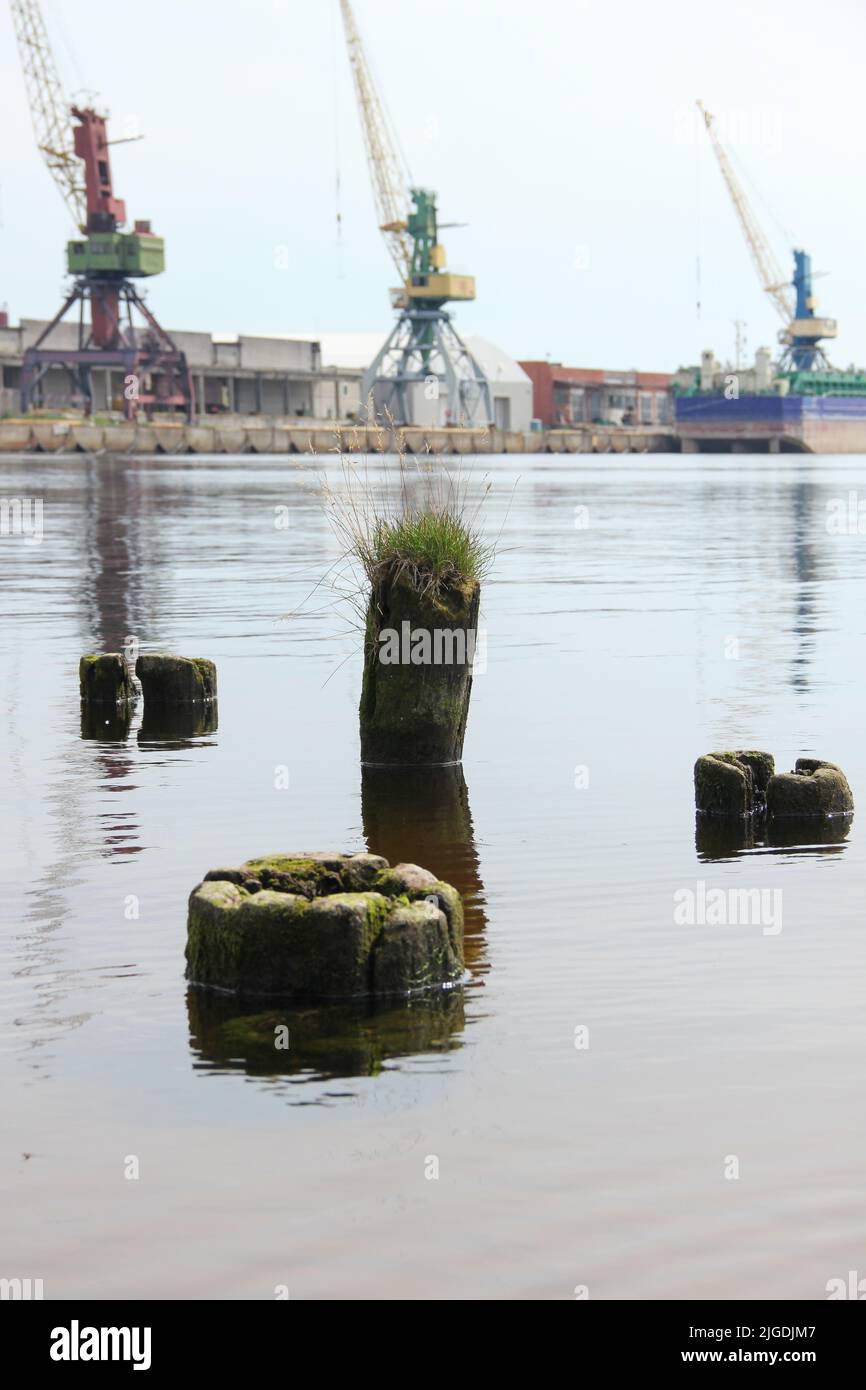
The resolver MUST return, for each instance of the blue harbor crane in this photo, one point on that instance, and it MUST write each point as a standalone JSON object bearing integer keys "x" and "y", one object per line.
{"x": 803, "y": 331}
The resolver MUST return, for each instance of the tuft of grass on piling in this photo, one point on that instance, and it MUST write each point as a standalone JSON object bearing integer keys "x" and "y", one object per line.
{"x": 435, "y": 543}
{"x": 435, "y": 549}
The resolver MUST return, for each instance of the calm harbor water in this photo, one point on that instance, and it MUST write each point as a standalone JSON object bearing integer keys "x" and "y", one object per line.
{"x": 590, "y": 1092}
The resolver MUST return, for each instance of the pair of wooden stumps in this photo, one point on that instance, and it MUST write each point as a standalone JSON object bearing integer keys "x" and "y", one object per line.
{"x": 745, "y": 783}
{"x": 180, "y": 694}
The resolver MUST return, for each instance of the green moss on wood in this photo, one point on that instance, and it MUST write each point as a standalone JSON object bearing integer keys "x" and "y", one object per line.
{"x": 105, "y": 680}
{"x": 732, "y": 783}
{"x": 176, "y": 680}
{"x": 308, "y": 926}
{"x": 416, "y": 714}
{"x": 814, "y": 789}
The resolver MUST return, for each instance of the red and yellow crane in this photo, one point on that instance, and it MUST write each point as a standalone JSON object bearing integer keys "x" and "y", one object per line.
{"x": 103, "y": 258}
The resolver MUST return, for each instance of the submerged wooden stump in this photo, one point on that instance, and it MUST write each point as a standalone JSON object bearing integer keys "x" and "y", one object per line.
{"x": 814, "y": 788}
{"x": 176, "y": 680}
{"x": 732, "y": 784}
{"x": 105, "y": 680}
{"x": 745, "y": 784}
{"x": 418, "y": 653}
{"x": 324, "y": 926}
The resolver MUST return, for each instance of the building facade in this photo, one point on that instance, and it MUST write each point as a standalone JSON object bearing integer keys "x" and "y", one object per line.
{"x": 283, "y": 377}
{"x": 237, "y": 374}
{"x": 511, "y": 395}
{"x": 572, "y": 396}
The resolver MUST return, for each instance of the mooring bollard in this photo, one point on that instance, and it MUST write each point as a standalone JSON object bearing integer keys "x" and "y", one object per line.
{"x": 324, "y": 926}
{"x": 418, "y": 654}
{"x": 176, "y": 680}
{"x": 105, "y": 680}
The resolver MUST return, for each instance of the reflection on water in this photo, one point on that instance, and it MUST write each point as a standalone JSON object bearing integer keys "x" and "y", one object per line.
{"x": 719, "y": 838}
{"x": 106, "y": 725}
{"x": 178, "y": 727}
{"x": 422, "y": 816}
{"x": 804, "y": 627}
{"x": 334, "y": 1040}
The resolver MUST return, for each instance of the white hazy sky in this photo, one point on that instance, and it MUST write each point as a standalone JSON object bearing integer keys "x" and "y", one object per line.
{"x": 560, "y": 130}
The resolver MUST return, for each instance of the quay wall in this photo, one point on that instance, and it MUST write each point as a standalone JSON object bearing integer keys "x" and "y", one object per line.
{"x": 253, "y": 436}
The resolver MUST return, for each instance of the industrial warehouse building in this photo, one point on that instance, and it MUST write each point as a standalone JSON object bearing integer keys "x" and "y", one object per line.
{"x": 566, "y": 396}
{"x": 232, "y": 374}
{"x": 510, "y": 386}
{"x": 283, "y": 376}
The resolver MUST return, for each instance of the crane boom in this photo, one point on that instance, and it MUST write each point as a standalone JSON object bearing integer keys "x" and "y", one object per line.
{"x": 49, "y": 110}
{"x": 769, "y": 272}
{"x": 389, "y": 184}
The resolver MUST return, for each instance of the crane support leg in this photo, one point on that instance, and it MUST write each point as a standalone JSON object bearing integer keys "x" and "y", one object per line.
{"x": 156, "y": 375}
{"x": 425, "y": 374}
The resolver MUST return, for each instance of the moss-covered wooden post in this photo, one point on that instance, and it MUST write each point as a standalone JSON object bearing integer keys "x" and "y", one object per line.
{"x": 105, "y": 681}
{"x": 418, "y": 653}
{"x": 167, "y": 681}
{"x": 324, "y": 926}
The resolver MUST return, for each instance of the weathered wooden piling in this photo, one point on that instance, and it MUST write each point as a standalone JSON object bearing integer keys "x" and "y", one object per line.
{"x": 176, "y": 680}
{"x": 814, "y": 788}
{"x": 418, "y": 654}
{"x": 324, "y": 926}
{"x": 745, "y": 783}
{"x": 105, "y": 680}
{"x": 732, "y": 784}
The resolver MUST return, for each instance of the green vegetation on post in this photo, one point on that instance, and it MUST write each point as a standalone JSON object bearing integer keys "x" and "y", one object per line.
{"x": 436, "y": 550}
{"x": 423, "y": 557}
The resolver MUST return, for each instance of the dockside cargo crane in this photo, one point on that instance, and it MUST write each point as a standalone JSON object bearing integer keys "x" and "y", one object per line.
{"x": 103, "y": 259}
{"x": 424, "y": 368}
{"x": 793, "y": 299}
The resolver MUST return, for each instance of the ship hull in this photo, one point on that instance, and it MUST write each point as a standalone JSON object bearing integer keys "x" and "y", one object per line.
{"x": 772, "y": 424}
